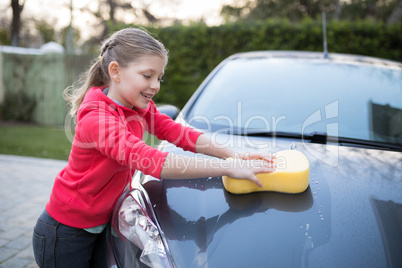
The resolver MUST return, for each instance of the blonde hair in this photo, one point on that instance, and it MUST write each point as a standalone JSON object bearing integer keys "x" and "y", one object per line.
{"x": 124, "y": 46}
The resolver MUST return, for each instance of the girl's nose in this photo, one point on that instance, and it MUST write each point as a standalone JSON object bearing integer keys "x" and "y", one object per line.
{"x": 155, "y": 85}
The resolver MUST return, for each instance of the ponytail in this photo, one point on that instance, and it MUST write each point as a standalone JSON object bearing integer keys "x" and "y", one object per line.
{"x": 75, "y": 94}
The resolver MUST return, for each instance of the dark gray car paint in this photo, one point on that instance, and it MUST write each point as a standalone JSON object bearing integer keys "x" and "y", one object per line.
{"x": 350, "y": 216}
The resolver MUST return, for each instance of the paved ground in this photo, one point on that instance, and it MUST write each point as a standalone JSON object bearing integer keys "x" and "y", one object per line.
{"x": 25, "y": 185}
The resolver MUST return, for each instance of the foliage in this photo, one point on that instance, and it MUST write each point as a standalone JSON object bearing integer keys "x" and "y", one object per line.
{"x": 65, "y": 32}
{"x": 17, "y": 106}
{"x": 46, "y": 30}
{"x": 378, "y": 10}
{"x": 4, "y": 37}
{"x": 252, "y": 10}
{"x": 196, "y": 49}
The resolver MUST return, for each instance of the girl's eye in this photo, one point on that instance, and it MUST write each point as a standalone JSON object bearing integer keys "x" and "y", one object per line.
{"x": 150, "y": 76}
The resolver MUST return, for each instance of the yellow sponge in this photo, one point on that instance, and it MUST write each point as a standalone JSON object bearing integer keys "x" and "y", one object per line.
{"x": 291, "y": 176}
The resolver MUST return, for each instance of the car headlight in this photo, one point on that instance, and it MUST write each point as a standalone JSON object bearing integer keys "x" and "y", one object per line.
{"x": 135, "y": 222}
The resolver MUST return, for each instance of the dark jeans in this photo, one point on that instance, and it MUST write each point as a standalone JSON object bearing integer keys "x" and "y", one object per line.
{"x": 58, "y": 245}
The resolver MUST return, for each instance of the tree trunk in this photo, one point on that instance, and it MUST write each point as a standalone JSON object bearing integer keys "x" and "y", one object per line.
{"x": 372, "y": 9}
{"x": 16, "y": 22}
{"x": 338, "y": 10}
{"x": 396, "y": 15}
{"x": 112, "y": 11}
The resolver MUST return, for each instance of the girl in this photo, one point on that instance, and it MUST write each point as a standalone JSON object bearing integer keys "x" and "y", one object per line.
{"x": 113, "y": 108}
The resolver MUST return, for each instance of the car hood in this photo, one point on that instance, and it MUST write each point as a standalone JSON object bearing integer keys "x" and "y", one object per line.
{"x": 350, "y": 215}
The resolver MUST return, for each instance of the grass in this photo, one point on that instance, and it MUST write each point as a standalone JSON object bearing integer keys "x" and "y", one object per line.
{"x": 39, "y": 141}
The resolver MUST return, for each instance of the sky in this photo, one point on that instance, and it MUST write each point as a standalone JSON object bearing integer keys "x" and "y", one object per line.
{"x": 58, "y": 14}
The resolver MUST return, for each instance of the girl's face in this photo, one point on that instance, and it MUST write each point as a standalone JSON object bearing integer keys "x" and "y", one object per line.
{"x": 136, "y": 84}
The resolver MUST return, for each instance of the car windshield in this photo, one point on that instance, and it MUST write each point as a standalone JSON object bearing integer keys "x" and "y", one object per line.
{"x": 358, "y": 101}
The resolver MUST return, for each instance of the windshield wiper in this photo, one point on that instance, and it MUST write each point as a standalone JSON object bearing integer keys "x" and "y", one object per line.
{"x": 315, "y": 137}
{"x": 367, "y": 143}
{"x": 321, "y": 138}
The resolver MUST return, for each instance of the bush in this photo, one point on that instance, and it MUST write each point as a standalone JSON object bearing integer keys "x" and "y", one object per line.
{"x": 196, "y": 49}
{"x": 17, "y": 107}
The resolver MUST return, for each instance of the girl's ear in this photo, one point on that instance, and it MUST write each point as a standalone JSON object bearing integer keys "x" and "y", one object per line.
{"x": 114, "y": 71}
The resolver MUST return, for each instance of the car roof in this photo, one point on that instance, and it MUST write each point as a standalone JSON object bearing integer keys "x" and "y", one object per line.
{"x": 312, "y": 55}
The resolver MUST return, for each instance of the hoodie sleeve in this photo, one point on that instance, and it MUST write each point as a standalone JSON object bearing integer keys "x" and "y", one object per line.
{"x": 102, "y": 130}
{"x": 164, "y": 128}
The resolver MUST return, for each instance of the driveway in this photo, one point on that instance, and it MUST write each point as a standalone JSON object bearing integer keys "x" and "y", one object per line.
{"x": 25, "y": 185}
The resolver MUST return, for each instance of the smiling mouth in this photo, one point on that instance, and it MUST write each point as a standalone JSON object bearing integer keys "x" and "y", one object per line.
{"x": 148, "y": 97}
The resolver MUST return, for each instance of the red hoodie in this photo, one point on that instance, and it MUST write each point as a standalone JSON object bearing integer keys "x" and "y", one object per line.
{"x": 106, "y": 151}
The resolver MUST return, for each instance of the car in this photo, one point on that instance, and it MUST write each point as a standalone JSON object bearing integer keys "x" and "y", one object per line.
{"x": 343, "y": 112}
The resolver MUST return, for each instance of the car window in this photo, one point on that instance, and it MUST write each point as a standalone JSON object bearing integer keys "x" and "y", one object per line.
{"x": 303, "y": 96}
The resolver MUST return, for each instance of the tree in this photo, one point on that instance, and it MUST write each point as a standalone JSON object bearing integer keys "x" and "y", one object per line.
{"x": 396, "y": 15}
{"x": 64, "y": 35}
{"x": 338, "y": 10}
{"x": 107, "y": 9}
{"x": 377, "y": 10}
{"x": 290, "y": 9}
{"x": 16, "y": 22}
{"x": 45, "y": 30}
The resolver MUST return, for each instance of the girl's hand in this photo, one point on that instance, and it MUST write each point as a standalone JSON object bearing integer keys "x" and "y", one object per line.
{"x": 247, "y": 169}
{"x": 261, "y": 156}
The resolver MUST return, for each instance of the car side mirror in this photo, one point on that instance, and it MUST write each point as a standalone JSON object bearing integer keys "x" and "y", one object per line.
{"x": 170, "y": 110}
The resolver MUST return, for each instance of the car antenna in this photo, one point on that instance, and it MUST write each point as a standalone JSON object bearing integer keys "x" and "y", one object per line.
{"x": 324, "y": 28}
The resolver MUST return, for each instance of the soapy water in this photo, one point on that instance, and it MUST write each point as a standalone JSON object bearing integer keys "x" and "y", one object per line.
{"x": 292, "y": 146}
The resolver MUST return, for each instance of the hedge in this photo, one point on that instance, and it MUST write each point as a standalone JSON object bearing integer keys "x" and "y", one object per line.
{"x": 196, "y": 49}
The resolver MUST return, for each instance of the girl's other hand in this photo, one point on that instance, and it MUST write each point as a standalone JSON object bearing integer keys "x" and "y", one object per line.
{"x": 247, "y": 169}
